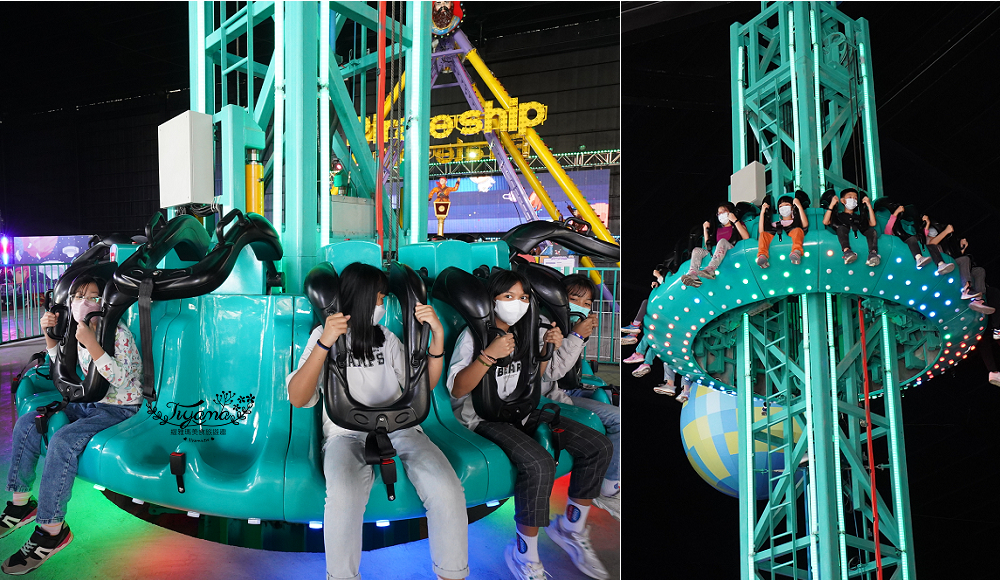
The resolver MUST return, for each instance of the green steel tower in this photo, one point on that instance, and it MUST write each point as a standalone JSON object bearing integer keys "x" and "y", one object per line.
{"x": 824, "y": 347}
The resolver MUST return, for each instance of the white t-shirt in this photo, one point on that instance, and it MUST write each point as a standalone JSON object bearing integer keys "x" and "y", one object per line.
{"x": 371, "y": 382}
{"x": 464, "y": 355}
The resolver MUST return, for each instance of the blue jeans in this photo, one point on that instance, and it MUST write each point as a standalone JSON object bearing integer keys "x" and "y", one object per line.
{"x": 610, "y": 417}
{"x": 349, "y": 482}
{"x": 64, "y": 449}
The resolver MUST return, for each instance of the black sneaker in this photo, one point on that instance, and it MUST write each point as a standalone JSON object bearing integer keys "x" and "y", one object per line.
{"x": 39, "y": 548}
{"x": 873, "y": 259}
{"x": 849, "y": 256}
{"x": 15, "y": 516}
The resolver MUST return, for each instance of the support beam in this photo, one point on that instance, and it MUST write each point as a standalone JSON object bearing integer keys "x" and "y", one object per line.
{"x": 418, "y": 101}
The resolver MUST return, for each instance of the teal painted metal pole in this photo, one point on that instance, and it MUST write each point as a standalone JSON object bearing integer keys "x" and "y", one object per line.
{"x": 324, "y": 122}
{"x": 302, "y": 49}
{"x": 744, "y": 422}
{"x": 418, "y": 107}
{"x": 278, "y": 154}
{"x": 897, "y": 452}
{"x": 201, "y": 71}
{"x": 823, "y": 489}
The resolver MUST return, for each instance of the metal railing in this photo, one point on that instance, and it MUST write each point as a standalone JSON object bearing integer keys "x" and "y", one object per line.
{"x": 605, "y": 343}
{"x": 22, "y": 298}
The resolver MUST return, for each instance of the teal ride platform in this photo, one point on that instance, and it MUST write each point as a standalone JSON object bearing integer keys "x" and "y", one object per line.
{"x": 221, "y": 360}
{"x": 688, "y": 327}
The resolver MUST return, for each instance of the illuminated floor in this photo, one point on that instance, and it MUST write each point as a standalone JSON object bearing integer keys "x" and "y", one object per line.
{"x": 111, "y": 544}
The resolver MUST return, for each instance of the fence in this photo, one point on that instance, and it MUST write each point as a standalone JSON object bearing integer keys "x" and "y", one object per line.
{"x": 22, "y": 298}
{"x": 605, "y": 343}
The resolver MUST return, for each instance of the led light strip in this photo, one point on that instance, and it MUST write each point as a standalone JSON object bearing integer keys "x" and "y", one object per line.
{"x": 748, "y": 445}
{"x": 869, "y": 147}
{"x": 795, "y": 105}
{"x": 835, "y": 402}
{"x": 819, "y": 114}
{"x": 890, "y": 400}
{"x": 807, "y": 376}
{"x": 742, "y": 111}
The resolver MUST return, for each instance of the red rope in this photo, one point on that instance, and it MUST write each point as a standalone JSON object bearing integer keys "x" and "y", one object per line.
{"x": 871, "y": 453}
{"x": 380, "y": 121}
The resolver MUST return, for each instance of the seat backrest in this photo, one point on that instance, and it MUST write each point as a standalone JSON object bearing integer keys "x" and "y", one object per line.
{"x": 436, "y": 256}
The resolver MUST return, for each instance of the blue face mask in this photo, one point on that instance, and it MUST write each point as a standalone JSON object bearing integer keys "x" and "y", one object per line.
{"x": 578, "y": 308}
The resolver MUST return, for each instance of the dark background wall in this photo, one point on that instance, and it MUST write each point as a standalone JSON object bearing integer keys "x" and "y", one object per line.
{"x": 78, "y": 138}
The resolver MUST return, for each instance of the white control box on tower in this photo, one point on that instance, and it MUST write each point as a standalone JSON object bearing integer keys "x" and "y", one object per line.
{"x": 747, "y": 184}
{"x": 186, "y": 156}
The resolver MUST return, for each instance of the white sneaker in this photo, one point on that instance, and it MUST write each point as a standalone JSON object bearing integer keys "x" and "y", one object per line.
{"x": 968, "y": 293}
{"x": 577, "y": 545}
{"x": 995, "y": 379}
{"x": 611, "y": 504}
{"x": 944, "y": 267}
{"x": 922, "y": 261}
{"x": 523, "y": 570}
{"x": 665, "y": 389}
{"x": 685, "y": 393}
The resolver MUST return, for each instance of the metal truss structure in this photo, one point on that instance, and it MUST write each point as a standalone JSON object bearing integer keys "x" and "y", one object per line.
{"x": 489, "y": 165}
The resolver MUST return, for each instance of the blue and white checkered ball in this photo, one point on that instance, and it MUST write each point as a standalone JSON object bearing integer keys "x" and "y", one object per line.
{"x": 710, "y": 437}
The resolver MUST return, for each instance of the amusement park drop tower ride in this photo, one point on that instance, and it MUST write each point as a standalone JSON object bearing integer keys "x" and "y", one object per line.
{"x": 825, "y": 347}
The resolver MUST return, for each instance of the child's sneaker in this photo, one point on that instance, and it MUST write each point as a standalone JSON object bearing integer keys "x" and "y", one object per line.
{"x": 968, "y": 293}
{"x": 634, "y": 358}
{"x": 523, "y": 570}
{"x": 39, "y": 548}
{"x": 995, "y": 379}
{"x": 685, "y": 393}
{"x": 632, "y": 329}
{"x": 795, "y": 257}
{"x": 979, "y": 306}
{"x": 690, "y": 280}
{"x": 642, "y": 371}
{"x": 850, "y": 256}
{"x": 665, "y": 389}
{"x": 873, "y": 259}
{"x": 996, "y": 334}
{"x": 15, "y": 516}
{"x": 627, "y": 340}
{"x": 944, "y": 267}
{"x": 762, "y": 261}
{"x": 708, "y": 273}
{"x": 922, "y": 260}
{"x": 577, "y": 545}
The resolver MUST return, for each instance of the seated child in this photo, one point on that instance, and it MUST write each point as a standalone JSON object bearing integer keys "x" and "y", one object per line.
{"x": 581, "y": 296}
{"x": 791, "y": 219}
{"x": 536, "y": 469}
{"x": 723, "y": 237}
{"x": 123, "y": 371}
{"x": 853, "y": 218}
{"x": 376, "y": 372}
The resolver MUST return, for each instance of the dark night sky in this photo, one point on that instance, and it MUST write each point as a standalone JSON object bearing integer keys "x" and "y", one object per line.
{"x": 934, "y": 67}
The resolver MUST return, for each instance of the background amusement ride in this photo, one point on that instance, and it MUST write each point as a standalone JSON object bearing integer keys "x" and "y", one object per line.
{"x": 216, "y": 285}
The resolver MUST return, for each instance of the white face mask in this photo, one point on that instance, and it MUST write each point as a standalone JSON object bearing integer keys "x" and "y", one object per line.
{"x": 851, "y": 203}
{"x": 510, "y": 311}
{"x": 724, "y": 218}
{"x": 378, "y": 314}
{"x": 582, "y": 309}
{"x": 785, "y": 210}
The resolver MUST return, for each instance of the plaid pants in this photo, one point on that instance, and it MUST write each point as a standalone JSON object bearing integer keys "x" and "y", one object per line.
{"x": 536, "y": 469}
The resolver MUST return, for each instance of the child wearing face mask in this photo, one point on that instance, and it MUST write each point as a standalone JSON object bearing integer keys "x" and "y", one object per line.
{"x": 591, "y": 450}
{"x": 723, "y": 236}
{"x": 791, "y": 219}
{"x": 123, "y": 370}
{"x": 581, "y": 293}
{"x": 853, "y": 219}
{"x": 376, "y": 372}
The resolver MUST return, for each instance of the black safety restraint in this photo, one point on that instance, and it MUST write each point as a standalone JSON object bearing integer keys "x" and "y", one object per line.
{"x": 146, "y": 336}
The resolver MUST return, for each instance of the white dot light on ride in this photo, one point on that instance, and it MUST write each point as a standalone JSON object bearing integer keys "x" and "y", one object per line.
{"x": 923, "y": 307}
{"x": 660, "y": 306}
{"x": 670, "y": 326}
{"x": 754, "y": 296}
{"x": 951, "y": 280}
{"x": 697, "y": 300}
{"x": 911, "y": 302}
{"x": 669, "y": 335}
{"x": 99, "y": 487}
{"x": 908, "y": 282}
{"x": 932, "y": 313}
{"x": 493, "y": 503}
{"x": 872, "y": 273}
{"x": 652, "y": 327}
{"x": 947, "y": 302}
{"x": 728, "y": 287}
{"x": 850, "y": 272}
{"x": 701, "y": 320}
{"x": 924, "y": 288}
{"x": 737, "y": 264}
{"x": 254, "y": 521}
{"x": 677, "y": 318}
{"x": 829, "y": 252}
{"x": 771, "y": 292}
{"x": 889, "y": 277}
{"x": 937, "y": 294}
{"x": 763, "y": 277}
{"x": 710, "y": 293}
{"x": 896, "y": 297}
{"x": 781, "y": 257}
{"x": 671, "y": 297}
{"x": 382, "y": 524}
{"x": 315, "y": 525}
{"x": 899, "y": 260}
{"x": 745, "y": 281}
{"x": 686, "y": 309}
{"x": 787, "y": 274}
{"x": 809, "y": 287}
{"x": 808, "y": 271}
{"x": 739, "y": 301}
